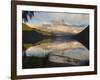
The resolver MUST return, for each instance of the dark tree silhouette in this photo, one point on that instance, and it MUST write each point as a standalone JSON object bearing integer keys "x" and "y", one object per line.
{"x": 25, "y": 15}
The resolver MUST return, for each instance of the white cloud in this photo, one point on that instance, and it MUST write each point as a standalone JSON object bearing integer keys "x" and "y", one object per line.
{"x": 69, "y": 18}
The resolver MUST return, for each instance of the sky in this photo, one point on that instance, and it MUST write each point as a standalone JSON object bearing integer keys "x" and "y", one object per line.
{"x": 42, "y": 17}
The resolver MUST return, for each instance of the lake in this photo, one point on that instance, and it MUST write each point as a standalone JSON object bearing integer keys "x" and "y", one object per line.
{"x": 58, "y": 51}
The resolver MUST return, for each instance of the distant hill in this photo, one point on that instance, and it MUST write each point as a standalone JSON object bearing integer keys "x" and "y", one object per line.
{"x": 58, "y": 28}
{"x": 25, "y": 27}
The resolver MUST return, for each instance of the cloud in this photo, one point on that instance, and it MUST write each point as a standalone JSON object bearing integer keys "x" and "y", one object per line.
{"x": 71, "y": 18}
{"x": 68, "y": 18}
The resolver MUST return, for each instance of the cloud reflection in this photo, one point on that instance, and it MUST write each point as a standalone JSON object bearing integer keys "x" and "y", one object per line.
{"x": 59, "y": 51}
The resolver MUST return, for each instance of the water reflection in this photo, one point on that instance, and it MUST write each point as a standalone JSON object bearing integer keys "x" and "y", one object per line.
{"x": 58, "y": 51}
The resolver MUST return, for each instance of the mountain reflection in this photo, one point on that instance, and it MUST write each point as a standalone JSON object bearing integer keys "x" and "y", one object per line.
{"x": 58, "y": 51}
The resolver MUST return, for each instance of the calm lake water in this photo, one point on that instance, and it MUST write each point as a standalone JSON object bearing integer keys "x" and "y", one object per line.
{"x": 56, "y": 52}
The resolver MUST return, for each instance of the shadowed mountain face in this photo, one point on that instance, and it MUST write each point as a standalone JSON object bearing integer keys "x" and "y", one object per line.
{"x": 31, "y": 35}
{"x": 83, "y": 37}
